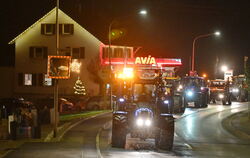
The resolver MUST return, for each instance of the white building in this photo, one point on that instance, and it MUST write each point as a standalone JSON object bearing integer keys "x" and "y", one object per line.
{"x": 33, "y": 46}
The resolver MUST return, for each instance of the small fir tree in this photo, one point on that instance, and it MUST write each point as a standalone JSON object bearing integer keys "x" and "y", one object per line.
{"x": 79, "y": 87}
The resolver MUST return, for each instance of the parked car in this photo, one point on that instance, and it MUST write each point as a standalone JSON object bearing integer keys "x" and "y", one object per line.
{"x": 63, "y": 104}
{"x": 9, "y": 106}
{"x": 98, "y": 103}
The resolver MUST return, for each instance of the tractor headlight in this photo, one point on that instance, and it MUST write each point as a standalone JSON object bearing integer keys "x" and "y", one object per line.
{"x": 139, "y": 122}
{"x": 221, "y": 96}
{"x": 121, "y": 100}
{"x": 235, "y": 90}
{"x": 148, "y": 122}
{"x": 166, "y": 101}
{"x": 190, "y": 93}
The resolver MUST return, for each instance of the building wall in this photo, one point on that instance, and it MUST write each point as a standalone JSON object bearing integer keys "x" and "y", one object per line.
{"x": 33, "y": 37}
{"x": 6, "y": 81}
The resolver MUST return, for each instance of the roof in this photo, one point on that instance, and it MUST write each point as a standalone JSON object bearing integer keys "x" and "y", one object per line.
{"x": 37, "y": 22}
{"x": 13, "y": 40}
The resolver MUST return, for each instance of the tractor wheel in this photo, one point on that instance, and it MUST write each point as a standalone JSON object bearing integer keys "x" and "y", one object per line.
{"x": 223, "y": 102}
{"x": 119, "y": 131}
{"x": 204, "y": 101}
{"x": 164, "y": 137}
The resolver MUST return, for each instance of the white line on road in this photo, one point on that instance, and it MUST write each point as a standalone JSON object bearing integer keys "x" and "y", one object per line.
{"x": 98, "y": 144}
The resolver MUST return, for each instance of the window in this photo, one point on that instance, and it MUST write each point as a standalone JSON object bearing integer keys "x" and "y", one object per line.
{"x": 38, "y": 52}
{"x": 118, "y": 53}
{"x": 105, "y": 52}
{"x": 44, "y": 80}
{"x": 48, "y": 29}
{"x": 78, "y": 53}
{"x": 27, "y": 79}
{"x": 66, "y": 29}
{"x": 47, "y": 81}
{"x": 128, "y": 51}
{"x": 68, "y": 51}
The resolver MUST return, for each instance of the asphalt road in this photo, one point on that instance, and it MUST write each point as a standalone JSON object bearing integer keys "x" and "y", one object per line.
{"x": 199, "y": 133}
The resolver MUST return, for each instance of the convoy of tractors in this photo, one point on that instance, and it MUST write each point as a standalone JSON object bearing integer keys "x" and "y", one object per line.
{"x": 148, "y": 96}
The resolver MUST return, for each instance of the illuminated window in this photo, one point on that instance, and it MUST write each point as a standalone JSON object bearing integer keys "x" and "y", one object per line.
{"x": 47, "y": 81}
{"x": 28, "y": 79}
{"x": 78, "y": 53}
{"x": 38, "y": 52}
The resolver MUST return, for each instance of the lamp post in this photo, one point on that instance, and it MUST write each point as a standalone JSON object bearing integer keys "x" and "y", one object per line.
{"x": 56, "y": 80}
{"x": 142, "y": 12}
{"x": 194, "y": 41}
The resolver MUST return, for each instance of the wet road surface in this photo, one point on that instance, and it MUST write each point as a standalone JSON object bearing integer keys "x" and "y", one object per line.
{"x": 199, "y": 133}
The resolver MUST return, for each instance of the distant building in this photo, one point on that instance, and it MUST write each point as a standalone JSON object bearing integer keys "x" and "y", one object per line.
{"x": 33, "y": 46}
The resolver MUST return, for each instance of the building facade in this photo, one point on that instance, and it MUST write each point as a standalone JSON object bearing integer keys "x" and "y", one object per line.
{"x": 33, "y": 46}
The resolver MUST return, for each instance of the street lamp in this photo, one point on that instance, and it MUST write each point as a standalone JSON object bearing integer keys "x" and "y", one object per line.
{"x": 224, "y": 68}
{"x": 217, "y": 33}
{"x": 141, "y": 12}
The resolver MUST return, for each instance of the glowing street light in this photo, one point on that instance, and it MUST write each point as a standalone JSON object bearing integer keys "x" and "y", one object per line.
{"x": 224, "y": 68}
{"x": 143, "y": 12}
{"x": 217, "y": 33}
{"x": 204, "y": 75}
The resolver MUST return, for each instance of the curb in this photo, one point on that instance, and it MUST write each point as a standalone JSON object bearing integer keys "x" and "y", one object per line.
{"x": 67, "y": 126}
{"x": 228, "y": 125}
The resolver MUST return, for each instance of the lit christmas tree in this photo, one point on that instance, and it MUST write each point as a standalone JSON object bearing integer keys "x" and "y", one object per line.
{"x": 79, "y": 87}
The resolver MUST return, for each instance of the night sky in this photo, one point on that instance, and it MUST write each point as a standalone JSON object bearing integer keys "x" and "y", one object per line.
{"x": 167, "y": 31}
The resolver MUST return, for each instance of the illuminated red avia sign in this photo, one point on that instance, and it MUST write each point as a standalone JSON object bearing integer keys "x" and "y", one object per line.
{"x": 161, "y": 62}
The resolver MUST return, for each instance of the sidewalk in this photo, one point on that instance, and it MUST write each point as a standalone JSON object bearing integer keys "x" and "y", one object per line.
{"x": 9, "y": 145}
{"x": 238, "y": 124}
{"x": 47, "y": 131}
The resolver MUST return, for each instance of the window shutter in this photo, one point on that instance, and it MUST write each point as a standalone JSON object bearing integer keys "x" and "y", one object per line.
{"x": 60, "y": 28}
{"x": 20, "y": 79}
{"x": 31, "y": 52}
{"x": 53, "y": 82}
{"x": 45, "y": 52}
{"x": 40, "y": 79}
{"x": 71, "y": 29}
{"x": 42, "y": 29}
{"x": 67, "y": 54}
{"x": 82, "y": 52}
{"x": 34, "y": 80}
{"x": 54, "y": 29}
{"x": 68, "y": 51}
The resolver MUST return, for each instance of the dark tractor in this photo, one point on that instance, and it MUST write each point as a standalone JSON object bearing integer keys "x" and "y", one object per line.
{"x": 219, "y": 91}
{"x": 195, "y": 92}
{"x": 147, "y": 115}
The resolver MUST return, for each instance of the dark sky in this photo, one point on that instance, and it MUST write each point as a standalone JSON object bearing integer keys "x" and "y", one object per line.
{"x": 167, "y": 31}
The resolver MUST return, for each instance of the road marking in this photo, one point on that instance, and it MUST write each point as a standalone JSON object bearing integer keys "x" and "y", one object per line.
{"x": 189, "y": 146}
{"x": 50, "y": 135}
{"x": 97, "y": 139}
{"x": 185, "y": 142}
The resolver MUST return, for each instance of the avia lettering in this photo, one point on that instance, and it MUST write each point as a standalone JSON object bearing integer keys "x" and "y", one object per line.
{"x": 145, "y": 60}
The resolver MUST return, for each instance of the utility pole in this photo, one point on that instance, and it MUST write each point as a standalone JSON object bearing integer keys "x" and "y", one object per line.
{"x": 56, "y": 80}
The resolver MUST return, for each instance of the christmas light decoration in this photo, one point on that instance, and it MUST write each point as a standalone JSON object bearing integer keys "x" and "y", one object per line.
{"x": 79, "y": 87}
